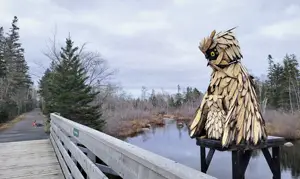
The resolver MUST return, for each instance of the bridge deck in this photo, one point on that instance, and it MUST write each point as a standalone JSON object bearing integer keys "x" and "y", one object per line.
{"x": 33, "y": 159}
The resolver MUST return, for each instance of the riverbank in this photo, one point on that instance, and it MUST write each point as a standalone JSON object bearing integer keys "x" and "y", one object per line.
{"x": 277, "y": 124}
{"x": 131, "y": 128}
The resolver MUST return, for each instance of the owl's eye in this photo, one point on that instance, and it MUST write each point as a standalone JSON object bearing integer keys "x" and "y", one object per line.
{"x": 211, "y": 54}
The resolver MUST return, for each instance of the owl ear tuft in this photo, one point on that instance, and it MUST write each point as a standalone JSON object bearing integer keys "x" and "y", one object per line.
{"x": 212, "y": 34}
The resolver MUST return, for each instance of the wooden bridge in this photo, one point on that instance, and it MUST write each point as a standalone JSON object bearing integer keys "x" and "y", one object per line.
{"x": 77, "y": 151}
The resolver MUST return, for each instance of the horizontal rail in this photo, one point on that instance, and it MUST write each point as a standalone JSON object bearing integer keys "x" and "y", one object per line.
{"x": 127, "y": 160}
{"x": 63, "y": 165}
{"x": 89, "y": 167}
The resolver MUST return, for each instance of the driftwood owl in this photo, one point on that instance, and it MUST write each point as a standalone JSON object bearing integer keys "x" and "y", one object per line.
{"x": 229, "y": 110}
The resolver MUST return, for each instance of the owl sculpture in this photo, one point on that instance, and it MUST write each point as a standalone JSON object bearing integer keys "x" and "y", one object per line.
{"x": 229, "y": 111}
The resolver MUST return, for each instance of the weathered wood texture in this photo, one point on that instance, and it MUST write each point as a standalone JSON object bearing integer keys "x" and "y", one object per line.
{"x": 29, "y": 160}
{"x": 128, "y": 161}
{"x": 272, "y": 141}
{"x": 92, "y": 171}
{"x": 241, "y": 155}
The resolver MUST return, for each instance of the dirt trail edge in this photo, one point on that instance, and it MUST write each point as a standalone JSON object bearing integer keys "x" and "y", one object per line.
{"x": 23, "y": 130}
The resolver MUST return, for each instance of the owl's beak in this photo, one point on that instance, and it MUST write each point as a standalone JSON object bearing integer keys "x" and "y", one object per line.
{"x": 206, "y": 56}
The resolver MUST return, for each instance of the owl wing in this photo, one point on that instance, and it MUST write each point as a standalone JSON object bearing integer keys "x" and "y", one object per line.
{"x": 215, "y": 117}
{"x": 198, "y": 123}
{"x": 243, "y": 120}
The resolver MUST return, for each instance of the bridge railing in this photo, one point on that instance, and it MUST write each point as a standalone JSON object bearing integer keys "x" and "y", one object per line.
{"x": 81, "y": 150}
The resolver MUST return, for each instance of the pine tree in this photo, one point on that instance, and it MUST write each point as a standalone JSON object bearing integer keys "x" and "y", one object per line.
{"x": 274, "y": 83}
{"x": 45, "y": 92}
{"x": 188, "y": 95}
{"x": 153, "y": 98}
{"x": 290, "y": 95}
{"x": 2, "y": 61}
{"x": 171, "y": 102}
{"x": 72, "y": 97}
{"x": 196, "y": 93}
{"x": 15, "y": 57}
{"x": 15, "y": 83}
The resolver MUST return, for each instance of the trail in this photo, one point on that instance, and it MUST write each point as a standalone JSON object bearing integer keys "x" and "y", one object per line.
{"x": 23, "y": 130}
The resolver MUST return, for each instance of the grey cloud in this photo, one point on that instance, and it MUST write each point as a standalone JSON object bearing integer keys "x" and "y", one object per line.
{"x": 155, "y": 43}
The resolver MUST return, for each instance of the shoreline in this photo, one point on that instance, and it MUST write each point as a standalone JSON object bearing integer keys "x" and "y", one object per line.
{"x": 132, "y": 128}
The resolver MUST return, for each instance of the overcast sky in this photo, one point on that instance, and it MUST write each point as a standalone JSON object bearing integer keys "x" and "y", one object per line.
{"x": 154, "y": 43}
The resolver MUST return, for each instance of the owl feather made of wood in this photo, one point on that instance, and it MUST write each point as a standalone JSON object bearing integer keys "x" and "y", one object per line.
{"x": 229, "y": 110}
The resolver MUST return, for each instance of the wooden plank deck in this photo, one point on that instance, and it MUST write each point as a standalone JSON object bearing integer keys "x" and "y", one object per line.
{"x": 33, "y": 159}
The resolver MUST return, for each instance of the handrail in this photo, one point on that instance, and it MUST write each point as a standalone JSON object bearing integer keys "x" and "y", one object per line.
{"x": 127, "y": 160}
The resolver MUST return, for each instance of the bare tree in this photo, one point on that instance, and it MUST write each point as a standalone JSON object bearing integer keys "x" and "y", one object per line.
{"x": 96, "y": 67}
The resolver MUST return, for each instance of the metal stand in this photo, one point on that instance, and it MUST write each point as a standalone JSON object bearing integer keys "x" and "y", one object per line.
{"x": 241, "y": 155}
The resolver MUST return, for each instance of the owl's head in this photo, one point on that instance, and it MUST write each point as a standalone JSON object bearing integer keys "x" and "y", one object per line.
{"x": 221, "y": 49}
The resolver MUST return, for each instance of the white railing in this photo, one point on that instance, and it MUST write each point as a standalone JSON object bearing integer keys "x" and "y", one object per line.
{"x": 78, "y": 147}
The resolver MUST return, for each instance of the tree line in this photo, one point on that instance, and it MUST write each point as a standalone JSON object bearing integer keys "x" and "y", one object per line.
{"x": 281, "y": 89}
{"x": 77, "y": 85}
{"x": 17, "y": 94}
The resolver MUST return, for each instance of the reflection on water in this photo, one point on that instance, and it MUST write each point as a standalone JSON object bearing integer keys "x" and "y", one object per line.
{"x": 173, "y": 142}
{"x": 290, "y": 159}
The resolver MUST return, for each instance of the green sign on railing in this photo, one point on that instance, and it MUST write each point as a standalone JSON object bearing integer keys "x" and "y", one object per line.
{"x": 75, "y": 132}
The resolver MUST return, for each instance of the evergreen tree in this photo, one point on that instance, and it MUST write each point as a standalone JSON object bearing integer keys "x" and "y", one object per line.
{"x": 196, "y": 93}
{"x": 2, "y": 61}
{"x": 16, "y": 62}
{"x": 71, "y": 95}
{"x": 45, "y": 92}
{"x": 16, "y": 91}
{"x": 171, "y": 102}
{"x": 290, "y": 75}
{"x": 188, "y": 95}
{"x": 153, "y": 98}
{"x": 274, "y": 83}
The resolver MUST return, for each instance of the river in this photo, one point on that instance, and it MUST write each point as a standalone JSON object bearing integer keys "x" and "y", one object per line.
{"x": 173, "y": 142}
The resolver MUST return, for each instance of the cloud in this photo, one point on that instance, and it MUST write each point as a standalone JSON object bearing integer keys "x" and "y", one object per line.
{"x": 292, "y": 9}
{"x": 282, "y": 30}
{"x": 155, "y": 43}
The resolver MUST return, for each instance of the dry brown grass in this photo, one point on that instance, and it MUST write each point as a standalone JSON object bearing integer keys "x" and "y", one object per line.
{"x": 134, "y": 127}
{"x": 277, "y": 123}
{"x": 283, "y": 124}
{"x": 129, "y": 123}
{"x": 179, "y": 117}
{"x": 10, "y": 123}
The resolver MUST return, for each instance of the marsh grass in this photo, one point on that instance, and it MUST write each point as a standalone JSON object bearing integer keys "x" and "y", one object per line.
{"x": 283, "y": 124}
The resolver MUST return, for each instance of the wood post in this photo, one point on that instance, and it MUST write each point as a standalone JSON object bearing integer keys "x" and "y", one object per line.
{"x": 240, "y": 160}
{"x": 276, "y": 162}
{"x": 205, "y": 160}
{"x": 273, "y": 161}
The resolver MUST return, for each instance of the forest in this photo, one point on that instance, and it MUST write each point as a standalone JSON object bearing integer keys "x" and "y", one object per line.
{"x": 78, "y": 85}
{"x": 17, "y": 94}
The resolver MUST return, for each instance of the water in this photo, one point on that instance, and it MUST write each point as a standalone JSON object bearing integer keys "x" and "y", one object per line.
{"x": 174, "y": 143}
